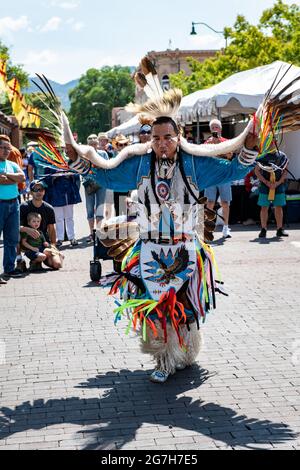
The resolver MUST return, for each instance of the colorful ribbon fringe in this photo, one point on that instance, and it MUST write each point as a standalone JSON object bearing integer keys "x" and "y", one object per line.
{"x": 143, "y": 311}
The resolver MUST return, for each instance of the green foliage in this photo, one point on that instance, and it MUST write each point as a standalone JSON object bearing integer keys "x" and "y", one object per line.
{"x": 13, "y": 71}
{"x": 276, "y": 37}
{"x": 107, "y": 88}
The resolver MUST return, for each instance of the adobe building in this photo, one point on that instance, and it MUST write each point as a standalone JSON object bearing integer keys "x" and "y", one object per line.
{"x": 173, "y": 61}
{"x": 166, "y": 63}
{"x": 9, "y": 126}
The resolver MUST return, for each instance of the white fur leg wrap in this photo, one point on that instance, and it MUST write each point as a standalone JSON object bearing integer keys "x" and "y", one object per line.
{"x": 168, "y": 355}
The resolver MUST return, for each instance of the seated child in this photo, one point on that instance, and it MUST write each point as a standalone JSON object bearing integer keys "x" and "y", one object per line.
{"x": 36, "y": 249}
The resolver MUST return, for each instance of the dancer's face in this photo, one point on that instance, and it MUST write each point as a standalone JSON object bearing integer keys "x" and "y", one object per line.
{"x": 165, "y": 140}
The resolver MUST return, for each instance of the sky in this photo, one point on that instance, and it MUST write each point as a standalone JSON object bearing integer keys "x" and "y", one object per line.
{"x": 64, "y": 38}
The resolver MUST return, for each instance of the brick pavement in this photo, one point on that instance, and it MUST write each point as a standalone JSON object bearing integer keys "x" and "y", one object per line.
{"x": 71, "y": 380}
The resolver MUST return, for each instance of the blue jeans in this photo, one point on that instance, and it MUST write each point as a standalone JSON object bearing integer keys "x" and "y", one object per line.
{"x": 10, "y": 226}
{"x": 95, "y": 204}
{"x": 32, "y": 255}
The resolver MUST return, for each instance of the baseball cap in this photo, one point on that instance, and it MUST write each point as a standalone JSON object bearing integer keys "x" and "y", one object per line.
{"x": 37, "y": 183}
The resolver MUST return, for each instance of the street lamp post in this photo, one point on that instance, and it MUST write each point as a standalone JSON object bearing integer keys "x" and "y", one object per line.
{"x": 194, "y": 32}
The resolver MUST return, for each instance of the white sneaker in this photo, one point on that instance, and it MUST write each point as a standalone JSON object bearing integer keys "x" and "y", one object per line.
{"x": 159, "y": 376}
{"x": 226, "y": 232}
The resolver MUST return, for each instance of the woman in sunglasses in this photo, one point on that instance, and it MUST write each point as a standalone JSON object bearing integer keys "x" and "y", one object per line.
{"x": 145, "y": 133}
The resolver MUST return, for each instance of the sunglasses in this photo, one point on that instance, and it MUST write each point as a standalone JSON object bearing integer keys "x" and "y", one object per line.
{"x": 38, "y": 190}
{"x": 122, "y": 145}
{"x": 145, "y": 133}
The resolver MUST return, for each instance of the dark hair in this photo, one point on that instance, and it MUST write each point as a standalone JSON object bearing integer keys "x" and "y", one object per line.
{"x": 166, "y": 120}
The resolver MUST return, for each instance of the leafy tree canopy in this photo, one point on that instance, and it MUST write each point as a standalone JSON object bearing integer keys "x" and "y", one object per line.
{"x": 97, "y": 93}
{"x": 276, "y": 37}
{"x": 13, "y": 70}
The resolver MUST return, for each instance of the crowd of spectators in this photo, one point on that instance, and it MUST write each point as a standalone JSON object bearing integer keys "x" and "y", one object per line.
{"x": 37, "y": 208}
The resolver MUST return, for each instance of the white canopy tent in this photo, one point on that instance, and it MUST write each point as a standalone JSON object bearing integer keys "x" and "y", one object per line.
{"x": 241, "y": 93}
{"x": 129, "y": 127}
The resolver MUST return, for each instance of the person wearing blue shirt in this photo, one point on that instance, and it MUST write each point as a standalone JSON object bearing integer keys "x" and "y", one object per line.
{"x": 10, "y": 176}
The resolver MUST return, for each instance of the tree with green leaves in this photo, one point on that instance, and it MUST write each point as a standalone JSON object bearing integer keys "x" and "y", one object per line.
{"x": 13, "y": 71}
{"x": 96, "y": 94}
{"x": 276, "y": 37}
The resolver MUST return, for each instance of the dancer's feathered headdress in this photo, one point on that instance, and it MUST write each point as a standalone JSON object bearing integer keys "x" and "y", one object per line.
{"x": 160, "y": 103}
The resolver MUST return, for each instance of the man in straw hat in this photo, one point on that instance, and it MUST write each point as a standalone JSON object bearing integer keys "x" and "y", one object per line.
{"x": 120, "y": 142}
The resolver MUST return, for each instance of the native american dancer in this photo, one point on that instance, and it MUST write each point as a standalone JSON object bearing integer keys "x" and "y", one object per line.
{"x": 167, "y": 283}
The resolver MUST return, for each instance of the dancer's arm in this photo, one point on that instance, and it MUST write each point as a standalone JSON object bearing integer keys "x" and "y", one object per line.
{"x": 123, "y": 178}
{"x": 214, "y": 171}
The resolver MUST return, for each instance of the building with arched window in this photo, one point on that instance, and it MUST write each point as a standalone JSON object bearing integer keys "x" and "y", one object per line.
{"x": 166, "y": 63}
{"x": 173, "y": 61}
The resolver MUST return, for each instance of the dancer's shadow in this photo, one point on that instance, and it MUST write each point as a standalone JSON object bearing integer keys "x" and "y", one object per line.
{"x": 130, "y": 400}
{"x": 218, "y": 242}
